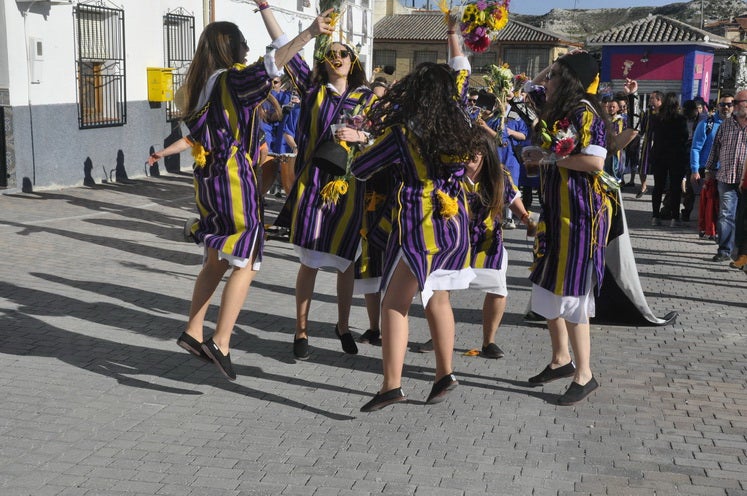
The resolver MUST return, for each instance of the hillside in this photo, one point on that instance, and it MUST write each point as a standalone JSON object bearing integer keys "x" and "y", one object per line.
{"x": 579, "y": 23}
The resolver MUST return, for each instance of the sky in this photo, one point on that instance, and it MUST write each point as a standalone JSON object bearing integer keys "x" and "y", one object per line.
{"x": 539, "y": 7}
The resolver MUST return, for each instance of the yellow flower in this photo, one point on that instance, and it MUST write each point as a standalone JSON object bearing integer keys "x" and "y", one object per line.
{"x": 199, "y": 154}
{"x": 332, "y": 191}
{"x": 449, "y": 206}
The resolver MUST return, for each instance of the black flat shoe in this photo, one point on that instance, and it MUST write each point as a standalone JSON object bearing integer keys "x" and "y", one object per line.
{"x": 371, "y": 336}
{"x": 549, "y": 375}
{"x": 441, "y": 389}
{"x": 492, "y": 350}
{"x": 223, "y": 362}
{"x": 193, "y": 346}
{"x": 381, "y": 400}
{"x": 301, "y": 348}
{"x": 348, "y": 343}
{"x": 576, "y": 392}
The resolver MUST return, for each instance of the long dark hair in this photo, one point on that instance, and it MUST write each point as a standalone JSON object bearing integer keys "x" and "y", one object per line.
{"x": 220, "y": 47}
{"x": 491, "y": 176}
{"x": 567, "y": 98}
{"x": 356, "y": 76}
{"x": 670, "y": 107}
{"x": 425, "y": 102}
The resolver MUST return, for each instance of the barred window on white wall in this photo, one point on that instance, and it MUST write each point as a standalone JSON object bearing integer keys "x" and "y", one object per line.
{"x": 100, "y": 66}
{"x": 179, "y": 49}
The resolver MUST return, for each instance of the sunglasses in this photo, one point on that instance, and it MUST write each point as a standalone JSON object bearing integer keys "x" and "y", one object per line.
{"x": 472, "y": 100}
{"x": 343, "y": 54}
{"x": 727, "y": 104}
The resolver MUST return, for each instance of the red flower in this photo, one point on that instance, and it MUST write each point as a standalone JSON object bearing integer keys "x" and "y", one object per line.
{"x": 564, "y": 147}
{"x": 479, "y": 45}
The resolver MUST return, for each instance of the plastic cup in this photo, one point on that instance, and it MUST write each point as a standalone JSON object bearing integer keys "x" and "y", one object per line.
{"x": 532, "y": 156}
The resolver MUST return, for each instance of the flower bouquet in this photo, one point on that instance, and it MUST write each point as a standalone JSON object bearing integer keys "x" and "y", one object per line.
{"x": 323, "y": 41}
{"x": 500, "y": 80}
{"x": 480, "y": 20}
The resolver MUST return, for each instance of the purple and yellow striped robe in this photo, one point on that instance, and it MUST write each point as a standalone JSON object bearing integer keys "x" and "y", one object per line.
{"x": 227, "y": 128}
{"x": 486, "y": 233}
{"x": 327, "y": 228}
{"x": 575, "y": 218}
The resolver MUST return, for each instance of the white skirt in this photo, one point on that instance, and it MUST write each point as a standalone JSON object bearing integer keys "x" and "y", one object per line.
{"x": 438, "y": 280}
{"x": 492, "y": 280}
{"x": 317, "y": 259}
{"x": 576, "y": 309}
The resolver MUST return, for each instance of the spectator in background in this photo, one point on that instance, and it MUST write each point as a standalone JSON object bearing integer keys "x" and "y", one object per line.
{"x": 703, "y": 137}
{"x": 729, "y": 151}
{"x": 670, "y": 159}
{"x": 648, "y": 122}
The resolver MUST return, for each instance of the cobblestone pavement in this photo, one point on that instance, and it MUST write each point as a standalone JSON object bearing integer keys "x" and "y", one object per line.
{"x": 97, "y": 399}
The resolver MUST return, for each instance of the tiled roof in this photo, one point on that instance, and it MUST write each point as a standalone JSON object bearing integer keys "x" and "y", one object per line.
{"x": 656, "y": 29}
{"x": 430, "y": 26}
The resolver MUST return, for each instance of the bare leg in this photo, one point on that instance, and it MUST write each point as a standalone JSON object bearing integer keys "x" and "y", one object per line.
{"x": 305, "y": 281}
{"x": 441, "y": 323}
{"x": 205, "y": 285}
{"x": 559, "y": 338}
{"x": 493, "y": 309}
{"x": 233, "y": 298}
{"x": 269, "y": 171}
{"x": 581, "y": 342}
{"x": 287, "y": 174}
{"x": 394, "y": 325}
{"x": 345, "y": 281}
{"x": 373, "y": 308}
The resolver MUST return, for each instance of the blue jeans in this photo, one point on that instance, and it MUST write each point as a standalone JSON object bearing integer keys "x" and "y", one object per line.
{"x": 727, "y": 214}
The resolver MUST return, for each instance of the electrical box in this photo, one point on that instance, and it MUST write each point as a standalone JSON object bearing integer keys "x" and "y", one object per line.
{"x": 160, "y": 84}
{"x": 36, "y": 55}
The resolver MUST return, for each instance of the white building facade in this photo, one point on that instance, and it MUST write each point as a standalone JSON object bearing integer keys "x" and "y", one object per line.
{"x": 74, "y": 80}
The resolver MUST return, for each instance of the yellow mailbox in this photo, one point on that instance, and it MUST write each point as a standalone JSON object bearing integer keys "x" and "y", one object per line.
{"x": 160, "y": 84}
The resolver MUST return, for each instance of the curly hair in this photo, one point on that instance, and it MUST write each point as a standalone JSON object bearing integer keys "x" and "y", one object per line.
{"x": 566, "y": 98}
{"x": 426, "y": 104}
{"x": 670, "y": 106}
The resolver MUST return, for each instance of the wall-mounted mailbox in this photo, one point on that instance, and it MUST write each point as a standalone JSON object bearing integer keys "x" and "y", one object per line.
{"x": 160, "y": 84}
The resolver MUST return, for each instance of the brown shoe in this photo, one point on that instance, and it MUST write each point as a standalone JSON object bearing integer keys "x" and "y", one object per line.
{"x": 739, "y": 263}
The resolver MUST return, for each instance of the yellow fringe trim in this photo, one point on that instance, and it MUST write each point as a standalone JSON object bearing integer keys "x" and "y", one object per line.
{"x": 449, "y": 206}
{"x": 608, "y": 197}
{"x": 333, "y": 190}
{"x": 199, "y": 154}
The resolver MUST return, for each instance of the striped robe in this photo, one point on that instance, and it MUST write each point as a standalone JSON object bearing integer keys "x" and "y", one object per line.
{"x": 427, "y": 240}
{"x": 327, "y": 228}
{"x": 486, "y": 234}
{"x": 227, "y": 128}
{"x": 574, "y": 221}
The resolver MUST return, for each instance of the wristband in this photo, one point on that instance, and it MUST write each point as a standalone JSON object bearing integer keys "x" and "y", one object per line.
{"x": 525, "y": 216}
{"x": 450, "y": 31}
{"x": 262, "y": 6}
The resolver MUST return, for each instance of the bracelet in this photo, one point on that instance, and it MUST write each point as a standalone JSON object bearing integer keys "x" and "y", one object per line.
{"x": 450, "y": 31}
{"x": 525, "y": 216}
{"x": 262, "y": 6}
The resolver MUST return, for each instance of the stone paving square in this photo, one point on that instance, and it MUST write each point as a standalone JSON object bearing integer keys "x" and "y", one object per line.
{"x": 97, "y": 399}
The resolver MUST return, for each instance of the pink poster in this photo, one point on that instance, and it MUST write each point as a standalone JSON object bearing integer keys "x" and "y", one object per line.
{"x": 648, "y": 67}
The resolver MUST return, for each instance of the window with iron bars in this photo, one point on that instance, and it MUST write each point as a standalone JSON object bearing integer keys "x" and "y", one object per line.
{"x": 383, "y": 58}
{"x": 179, "y": 48}
{"x": 481, "y": 61}
{"x": 100, "y": 66}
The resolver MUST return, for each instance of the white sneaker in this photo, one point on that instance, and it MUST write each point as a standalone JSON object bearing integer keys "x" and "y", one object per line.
{"x": 509, "y": 224}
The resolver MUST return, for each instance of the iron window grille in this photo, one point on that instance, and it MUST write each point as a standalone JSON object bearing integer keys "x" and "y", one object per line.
{"x": 100, "y": 66}
{"x": 179, "y": 43}
{"x": 383, "y": 58}
{"x": 481, "y": 61}
{"x": 421, "y": 56}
